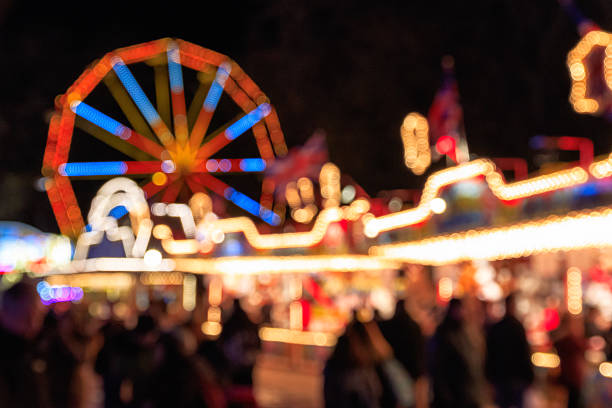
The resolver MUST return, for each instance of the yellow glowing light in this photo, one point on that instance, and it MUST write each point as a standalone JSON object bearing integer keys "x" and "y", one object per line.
{"x": 214, "y": 314}
{"x": 212, "y": 329}
{"x": 152, "y": 258}
{"x": 586, "y": 229}
{"x": 579, "y": 74}
{"x": 305, "y": 338}
{"x": 161, "y": 278}
{"x": 217, "y": 236}
{"x": 142, "y": 238}
{"x": 545, "y": 360}
{"x": 94, "y": 281}
{"x": 605, "y": 369}
{"x": 445, "y": 288}
{"x": 189, "y": 292}
{"x": 292, "y": 196}
{"x": 215, "y": 291}
{"x": 281, "y": 240}
{"x": 284, "y": 264}
{"x": 295, "y": 315}
{"x": 437, "y": 205}
{"x": 162, "y": 231}
{"x": 601, "y": 169}
{"x": 180, "y": 246}
{"x": 159, "y": 178}
{"x": 306, "y": 190}
{"x": 479, "y": 167}
{"x": 329, "y": 181}
{"x": 415, "y": 137}
{"x": 574, "y": 290}
{"x": 119, "y": 265}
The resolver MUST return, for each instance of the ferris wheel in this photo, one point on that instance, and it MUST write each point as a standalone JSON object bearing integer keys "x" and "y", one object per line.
{"x": 168, "y": 145}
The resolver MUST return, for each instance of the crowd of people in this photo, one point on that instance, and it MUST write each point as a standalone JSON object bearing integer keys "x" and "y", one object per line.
{"x": 61, "y": 357}
{"x": 468, "y": 361}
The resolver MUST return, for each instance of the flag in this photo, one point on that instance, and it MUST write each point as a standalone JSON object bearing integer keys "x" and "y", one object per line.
{"x": 303, "y": 161}
{"x": 583, "y": 24}
{"x": 445, "y": 115}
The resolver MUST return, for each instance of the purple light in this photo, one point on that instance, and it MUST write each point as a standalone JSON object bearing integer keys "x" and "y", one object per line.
{"x": 57, "y": 293}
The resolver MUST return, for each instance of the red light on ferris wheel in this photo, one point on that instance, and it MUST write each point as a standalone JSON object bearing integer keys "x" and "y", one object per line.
{"x": 447, "y": 145}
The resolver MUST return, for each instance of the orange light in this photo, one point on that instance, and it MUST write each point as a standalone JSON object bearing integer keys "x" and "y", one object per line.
{"x": 545, "y": 360}
{"x": 159, "y": 178}
{"x": 586, "y": 229}
{"x": 305, "y": 338}
{"x": 574, "y": 290}
{"x": 480, "y": 167}
{"x": 415, "y": 137}
{"x": 445, "y": 288}
{"x": 580, "y": 75}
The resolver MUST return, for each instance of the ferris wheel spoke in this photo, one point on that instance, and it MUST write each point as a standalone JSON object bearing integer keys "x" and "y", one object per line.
{"x": 250, "y": 165}
{"x": 140, "y": 99}
{"x": 172, "y": 191}
{"x": 239, "y": 199}
{"x": 127, "y": 106}
{"x": 151, "y": 188}
{"x": 109, "y": 168}
{"x": 177, "y": 92}
{"x": 233, "y": 131}
{"x": 209, "y": 106}
{"x": 194, "y": 185}
{"x": 115, "y": 128}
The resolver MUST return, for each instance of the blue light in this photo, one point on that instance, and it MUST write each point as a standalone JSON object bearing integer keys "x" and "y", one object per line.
{"x": 537, "y": 142}
{"x": 136, "y": 92}
{"x": 225, "y": 165}
{"x": 252, "y": 164}
{"x": 246, "y": 122}
{"x": 58, "y": 293}
{"x": 216, "y": 88}
{"x": 101, "y": 120}
{"x": 588, "y": 190}
{"x": 118, "y": 211}
{"x": 92, "y": 169}
{"x": 174, "y": 70}
{"x": 251, "y": 206}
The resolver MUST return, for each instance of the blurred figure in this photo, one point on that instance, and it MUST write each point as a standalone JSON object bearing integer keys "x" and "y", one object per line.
{"x": 181, "y": 379}
{"x": 350, "y": 377}
{"x": 571, "y": 346}
{"x": 508, "y": 361}
{"x": 240, "y": 344}
{"x": 127, "y": 363}
{"x": 405, "y": 338}
{"x": 23, "y": 376}
{"x": 108, "y": 363}
{"x": 454, "y": 363}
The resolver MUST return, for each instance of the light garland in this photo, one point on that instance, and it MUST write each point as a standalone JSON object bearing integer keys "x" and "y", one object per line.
{"x": 545, "y": 360}
{"x": 305, "y": 338}
{"x": 587, "y": 229}
{"x": 415, "y": 137}
{"x": 480, "y": 167}
{"x": 95, "y": 281}
{"x": 579, "y": 74}
{"x": 574, "y": 290}
{"x": 283, "y": 264}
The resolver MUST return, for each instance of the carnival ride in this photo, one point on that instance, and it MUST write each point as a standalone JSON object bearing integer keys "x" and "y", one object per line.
{"x": 171, "y": 147}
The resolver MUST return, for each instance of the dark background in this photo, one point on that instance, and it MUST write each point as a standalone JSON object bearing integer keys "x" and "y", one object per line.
{"x": 353, "y": 68}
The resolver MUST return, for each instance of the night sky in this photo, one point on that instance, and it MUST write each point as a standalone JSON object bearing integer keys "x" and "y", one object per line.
{"x": 353, "y": 68}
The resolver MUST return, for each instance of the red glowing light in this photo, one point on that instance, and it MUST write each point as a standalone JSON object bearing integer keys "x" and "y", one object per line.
{"x": 551, "y": 319}
{"x": 447, "y": 145}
